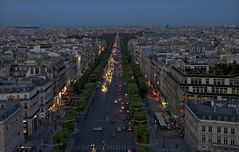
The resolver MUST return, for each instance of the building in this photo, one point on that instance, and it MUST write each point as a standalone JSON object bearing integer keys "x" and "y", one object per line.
{"x": 212, "y": 125}
{"x": 11, "y": 135}
{"x": 34, "y": 94}
{"x": 179, "y": 83}
{"x": 44, "y": 92}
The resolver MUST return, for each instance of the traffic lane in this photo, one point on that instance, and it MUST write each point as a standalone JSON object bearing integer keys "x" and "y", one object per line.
{"x": 91, "y": 136}
{"x": 93, "y": 122}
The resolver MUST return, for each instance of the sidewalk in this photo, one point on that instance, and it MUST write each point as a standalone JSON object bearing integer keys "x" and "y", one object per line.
{"x": 162, "y": 140}
{"x": 42, "y": 138}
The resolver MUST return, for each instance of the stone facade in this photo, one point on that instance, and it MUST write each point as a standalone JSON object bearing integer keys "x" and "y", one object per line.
{"x": 11, "y": 135}
{"x": 211, "y": 128}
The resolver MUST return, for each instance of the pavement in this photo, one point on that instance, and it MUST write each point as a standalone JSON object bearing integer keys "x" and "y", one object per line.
{"x": 162, "y": 140}
{"x": 101, "y": 111}
{"x": 42, "y": 138}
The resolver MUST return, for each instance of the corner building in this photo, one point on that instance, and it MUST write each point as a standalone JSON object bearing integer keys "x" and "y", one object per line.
{"x": 212, "y": 126}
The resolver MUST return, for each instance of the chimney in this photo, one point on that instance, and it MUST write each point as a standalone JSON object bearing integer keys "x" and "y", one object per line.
{"x": 212, "y": 103}
{"x": 237, "y": 109}
{"x": 214, "y": 108}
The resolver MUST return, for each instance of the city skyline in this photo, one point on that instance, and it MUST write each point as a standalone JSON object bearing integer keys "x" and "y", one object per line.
{"x": 118, "y": 13}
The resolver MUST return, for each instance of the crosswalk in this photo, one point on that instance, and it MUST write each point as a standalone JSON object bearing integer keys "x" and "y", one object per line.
{"x": 85, "y": 148}
{"x": 103, "y": 120}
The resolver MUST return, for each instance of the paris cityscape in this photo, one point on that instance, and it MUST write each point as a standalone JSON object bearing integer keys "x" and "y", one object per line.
{"x": 117, "y": 86}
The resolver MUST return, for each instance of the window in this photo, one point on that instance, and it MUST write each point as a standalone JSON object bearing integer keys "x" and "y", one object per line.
{"x": 225, "y": 140}
{"x": 199, "y": 81}
{"x": 203, "y": 138}
{"x": 225, "y": 130}
{"x": 219, "y": 129}
{"x": 207, "y": 81}
{"x": 213, "y": 89}
{"x": 232, "y": 142}
{"x": 25, "y": 105}
{"x": 214, "y": 81}
{"x": 203, "y": 128}
{"x": 224, "y": 90}
{"x": 31, "y": 70}
{"x": 210, "y": 128}
{"x": 218, "y": 139}
{"x": 37, "y": 70}
{"x": 209, "y": 139}
{"x": 222, "y": 81}
{"x": 232, "y": 130}
{"x": 25, "y": 96}
{"x": 194, "y": 89}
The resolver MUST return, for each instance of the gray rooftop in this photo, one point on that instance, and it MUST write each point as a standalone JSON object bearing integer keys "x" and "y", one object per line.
{"x": 22, "y": 85}
{"x": 7, "y": 109}
{"x": 205, "y": 111}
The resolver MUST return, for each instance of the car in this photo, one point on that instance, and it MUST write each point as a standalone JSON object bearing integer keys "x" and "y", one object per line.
{"x": 113, "y": 134}
{"x": 124, "y": 128}
{"x": 92, "y": 147}
{"x": 130, "y": 128}
{"x": 181, "y": 134}
{"x": 130, "y": 149}
{"x": 120, "y": 99}
{"x": 118, "y": 129}
{"x": 116, "y": 101}
{"x": 98, "y": 129}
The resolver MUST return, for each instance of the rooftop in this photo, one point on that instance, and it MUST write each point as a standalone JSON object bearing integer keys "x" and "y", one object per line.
{"x": 218, "y": 112}
{"x": 22, "y": 85}
{"x": 7, "y": 109}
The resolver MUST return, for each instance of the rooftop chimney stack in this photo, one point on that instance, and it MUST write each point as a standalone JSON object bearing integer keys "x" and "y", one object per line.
{"x": 214, "y": 108}
{"x": 237, "y": 109}
{"x": 212, "y": 103}
{"x": 2, "y": 106}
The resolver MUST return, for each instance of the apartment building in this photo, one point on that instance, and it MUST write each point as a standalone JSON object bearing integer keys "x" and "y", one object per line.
{"x": 212, "y": 125}
{"x": 179, "y": 83}
{"x": 11, "y": 135}
{"x": 34, "y": 95}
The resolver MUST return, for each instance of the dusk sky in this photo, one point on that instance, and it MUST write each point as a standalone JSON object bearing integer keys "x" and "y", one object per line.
{"x": 118, "y": 12}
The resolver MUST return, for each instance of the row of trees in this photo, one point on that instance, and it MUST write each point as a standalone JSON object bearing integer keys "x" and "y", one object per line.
{"x": 137, "y": 89}
{"x": 83, "y": 88}
{"x": 226, "y": 69}
{"x": 135, "y": 102}
{"x": 140, "y": 80}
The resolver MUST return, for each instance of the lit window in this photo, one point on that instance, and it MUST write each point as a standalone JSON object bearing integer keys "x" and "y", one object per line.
{"x": 225, "y": 130}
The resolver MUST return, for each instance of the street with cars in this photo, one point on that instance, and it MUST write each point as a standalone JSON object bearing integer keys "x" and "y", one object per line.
{"x": 107, "y": 124}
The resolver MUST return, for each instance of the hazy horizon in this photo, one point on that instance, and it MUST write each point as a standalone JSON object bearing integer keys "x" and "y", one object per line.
{"x": 118, "y": 13}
